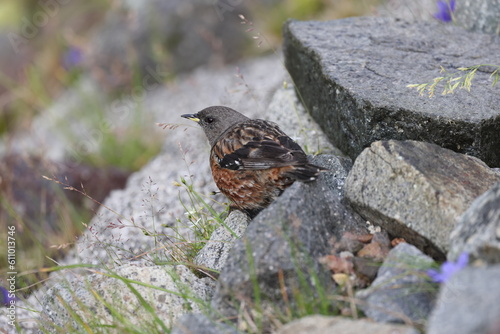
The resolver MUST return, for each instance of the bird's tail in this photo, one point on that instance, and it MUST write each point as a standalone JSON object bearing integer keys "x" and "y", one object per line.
{"x": 306, "y": 173}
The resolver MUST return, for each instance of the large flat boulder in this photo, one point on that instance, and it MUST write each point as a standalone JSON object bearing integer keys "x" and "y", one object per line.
{"x": 352, "y": 75}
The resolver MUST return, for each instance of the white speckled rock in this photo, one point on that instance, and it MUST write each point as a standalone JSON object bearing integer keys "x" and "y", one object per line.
{"x": 179, "y": 291}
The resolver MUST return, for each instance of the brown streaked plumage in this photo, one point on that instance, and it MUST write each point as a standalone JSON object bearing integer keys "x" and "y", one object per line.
{"x": 252, "y": 161}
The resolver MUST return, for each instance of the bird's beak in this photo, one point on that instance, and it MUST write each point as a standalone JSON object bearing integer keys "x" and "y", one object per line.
{"x": 192, "y": 117}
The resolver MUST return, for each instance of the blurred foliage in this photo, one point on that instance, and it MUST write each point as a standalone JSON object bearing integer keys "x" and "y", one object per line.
{"x": 272, "y": 17}
{"x": 38, "y": 246}
{"x": 10, "y": 13}
{"x": 39, "y": 76}
{"x": 34, "y": 75}
{"x": 42, "y": 216}
{"x": 125, "y": 147}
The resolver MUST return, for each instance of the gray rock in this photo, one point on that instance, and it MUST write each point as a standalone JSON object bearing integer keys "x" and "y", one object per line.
{"x": 478, "y": 15}
{"x": 416, "y": 190}
{"x": 319, "y": 324}
{"x": 201, "y": 324}
{"x": 180, "y": 291}
{"x": 29, "y": 323}
{"x": 353, "y": 74}
{"x": 468, "y": 303}
{"x": 478, "y": 231}
{"x": 287, "y": 239}
{"x": 338, "y": 171}
{"x": 401, "y": 291}
{"x": 213, "y": 256}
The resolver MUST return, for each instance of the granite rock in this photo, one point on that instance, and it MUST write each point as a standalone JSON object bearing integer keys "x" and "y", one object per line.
{"x": 87, "y": 297}
{"x": 213, "y": 255}
{"x": 416, "y": 190}
{"x": 478, "y": 15}
{"x": 353, "y": 74}
{"x": 478, "y": 231}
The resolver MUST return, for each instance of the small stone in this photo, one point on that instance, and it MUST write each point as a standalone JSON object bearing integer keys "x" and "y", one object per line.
{"x": 340, "y": 279}
{"x": 374, "y": 251}
{"x": 366, "y": 269}
{"x": 401, "y": 290}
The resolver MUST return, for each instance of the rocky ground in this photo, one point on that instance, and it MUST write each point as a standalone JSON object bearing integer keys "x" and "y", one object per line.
{"x": 417, "y": 182}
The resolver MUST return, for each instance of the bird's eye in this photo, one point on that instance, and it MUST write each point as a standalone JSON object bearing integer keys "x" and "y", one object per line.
{"x": 209, "y": 119}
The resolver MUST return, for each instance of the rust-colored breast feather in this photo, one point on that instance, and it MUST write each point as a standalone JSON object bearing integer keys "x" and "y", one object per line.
{"x": 254, "y": 161}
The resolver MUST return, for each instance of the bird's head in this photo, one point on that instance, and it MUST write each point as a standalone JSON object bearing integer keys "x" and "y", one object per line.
{"x": 216, "y": 120}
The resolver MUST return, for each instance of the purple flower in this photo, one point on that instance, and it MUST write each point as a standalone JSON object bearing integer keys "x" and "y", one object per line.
{"x": 72, "y": 58}
{"x": 445, "y": 9}
{"x": 448, "y": 268}
{"x": 5, "y": 297}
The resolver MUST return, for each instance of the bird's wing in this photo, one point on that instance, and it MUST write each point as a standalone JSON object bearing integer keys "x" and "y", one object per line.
{"x": 257, "y": 145}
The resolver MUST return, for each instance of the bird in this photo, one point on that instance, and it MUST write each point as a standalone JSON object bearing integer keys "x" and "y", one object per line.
{"x": 252, "y": 160}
